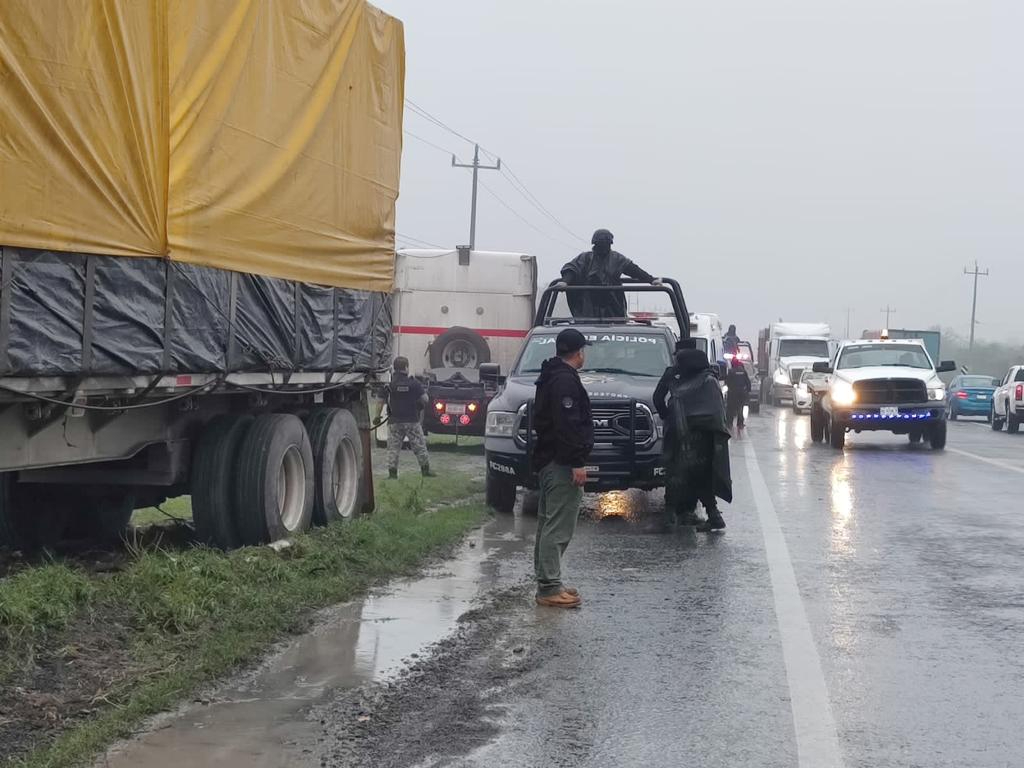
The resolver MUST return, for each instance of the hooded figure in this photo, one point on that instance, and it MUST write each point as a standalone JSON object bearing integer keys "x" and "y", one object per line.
{"x": 738, "y": 382}
{"x": 600, "y": 266}
{"x": 696, "y": 452}
{"x": 731, "y": 341}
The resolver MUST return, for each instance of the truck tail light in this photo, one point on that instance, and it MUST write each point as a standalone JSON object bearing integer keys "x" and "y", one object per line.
{"x": 463, "y": 419}
{"x": 1020, "y": 392}
{"x": 472, "y": 407}
{"x": 961, "y": 395}
{"x": 445, "y": 419}
{"x": 439, "y": 406}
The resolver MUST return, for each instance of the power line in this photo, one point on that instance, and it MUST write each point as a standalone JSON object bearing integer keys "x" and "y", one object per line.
{"x": 435, "y": 120}
{"x": 522, "y": 218}
{"x": 428, "y": 142}
{"x": 531, "y": 198}
{"x": 417, "y": 241}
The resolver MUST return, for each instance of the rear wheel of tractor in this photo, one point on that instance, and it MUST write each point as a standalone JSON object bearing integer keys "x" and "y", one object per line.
{"x": 459, "y": 348}
{"x": 1012, "y": 421}
{"x": 214, "y": 478}
{"x": 937, "y": 436}
{"x": 337, "y": 464}
{"x": 275, "y": 479}
{"x": 531, "y": 503}
{"x": 994, "y": 420}
{"x": 817, "y": 424}
{"x": 836, "y": 435}
{"x": 501, "y": 495}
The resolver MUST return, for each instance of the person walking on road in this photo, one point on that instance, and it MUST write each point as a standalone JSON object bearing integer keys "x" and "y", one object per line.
{"x": 696, "y": 453}
{"x": 738, "y": 382}
{"x": 406, "y": 401}
{"x": 601, "y": 266}
{"x": 565, "y": 437}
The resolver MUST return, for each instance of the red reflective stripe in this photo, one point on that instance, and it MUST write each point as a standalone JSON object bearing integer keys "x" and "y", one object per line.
{"x": 427, "y": 330}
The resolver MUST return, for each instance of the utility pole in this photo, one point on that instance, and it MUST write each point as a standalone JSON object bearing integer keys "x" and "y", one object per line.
{"x": 889, "y": 312}
{"x": 974, "y": 302}
{"x": 848, "y": 311}
{"x": 475, "y": 165}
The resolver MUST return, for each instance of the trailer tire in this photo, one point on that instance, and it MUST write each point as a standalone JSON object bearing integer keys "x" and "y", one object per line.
{"x": 459, "y": 347}
{"x": 214, "y": 476}
{"x": 274, "y": 491}
{"x": 501, "y": 495}
{"x": 337, "y": 464}
{"x": 30, "y": 524}
{"x": 110, "y": 517}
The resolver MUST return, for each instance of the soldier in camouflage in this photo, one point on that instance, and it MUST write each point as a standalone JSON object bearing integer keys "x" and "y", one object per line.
{"x": 406, "y": 400}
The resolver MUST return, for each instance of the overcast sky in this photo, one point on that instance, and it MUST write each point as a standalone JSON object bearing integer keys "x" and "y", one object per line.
{"x": 780, "y": 158}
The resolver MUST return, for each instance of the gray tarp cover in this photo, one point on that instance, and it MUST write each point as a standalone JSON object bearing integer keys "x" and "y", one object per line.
{"x": 273, "y": 325}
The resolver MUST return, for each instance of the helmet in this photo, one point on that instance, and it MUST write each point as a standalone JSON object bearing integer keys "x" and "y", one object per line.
{"x": 602, "y": 236}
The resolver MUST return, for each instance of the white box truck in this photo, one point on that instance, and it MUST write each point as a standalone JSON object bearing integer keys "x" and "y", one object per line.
{"x": 786, "y": 350}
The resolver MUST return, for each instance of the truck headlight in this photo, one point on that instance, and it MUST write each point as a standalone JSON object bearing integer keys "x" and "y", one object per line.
{"x": 500, "y": 424}
{"x": 781, "y": 377}
{"x": 842, "y": 393}
{"x": 937, "y": 393}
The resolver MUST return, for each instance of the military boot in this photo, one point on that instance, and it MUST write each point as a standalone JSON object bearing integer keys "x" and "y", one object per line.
{"x": 426, "y": 471}
{"x": 392, "y": 474}
{"x": 715, "y": 521}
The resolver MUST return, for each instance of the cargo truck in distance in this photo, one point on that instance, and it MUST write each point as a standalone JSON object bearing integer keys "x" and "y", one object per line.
{"x": 454, "y": 311}
{"x": 206, "y": 315}
{"x": 785, "y": 351}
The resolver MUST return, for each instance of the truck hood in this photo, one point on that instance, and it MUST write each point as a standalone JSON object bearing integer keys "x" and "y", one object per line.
{"x": 888, "y": 372}
{"x": 599, "y": 386}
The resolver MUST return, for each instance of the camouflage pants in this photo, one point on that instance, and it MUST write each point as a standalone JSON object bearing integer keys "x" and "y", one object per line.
{"x": 396, "y": 436}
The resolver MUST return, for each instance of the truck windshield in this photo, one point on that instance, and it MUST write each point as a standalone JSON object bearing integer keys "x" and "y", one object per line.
{"x": 803, "y": 348}
{"x": 633, "y": 354}
{"x": 869, "y": 355}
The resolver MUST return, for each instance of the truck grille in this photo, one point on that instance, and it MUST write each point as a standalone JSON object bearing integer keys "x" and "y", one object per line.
{"x": 795, "y": 374}
{"x": 611, "y": 423}
{"x": 890, "y": 391}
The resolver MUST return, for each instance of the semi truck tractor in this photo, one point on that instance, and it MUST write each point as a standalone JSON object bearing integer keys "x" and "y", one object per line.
{"x": 785, "y": 351}
{"x": 196, "y": 259}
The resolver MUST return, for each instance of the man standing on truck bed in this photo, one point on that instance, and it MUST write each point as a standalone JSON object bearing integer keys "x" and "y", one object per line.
{"x": 601, "y": 266}
{"x": 406, "y": 400}
{"x": 565, "y": 437}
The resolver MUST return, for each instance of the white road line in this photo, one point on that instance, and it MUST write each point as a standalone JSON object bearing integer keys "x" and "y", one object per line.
{"x": 817, "y": 742}
{"x": 993, "y": 462}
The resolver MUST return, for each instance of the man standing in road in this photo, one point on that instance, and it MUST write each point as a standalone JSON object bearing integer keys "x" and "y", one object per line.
{"x": 565, "y": 437}
{"x": 406, "y": 400}
{"x": 601, "y": 266}
{"x": 738, "y": 383}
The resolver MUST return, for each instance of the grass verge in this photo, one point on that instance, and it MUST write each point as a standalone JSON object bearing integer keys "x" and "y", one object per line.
{"x": 84, "y": 657}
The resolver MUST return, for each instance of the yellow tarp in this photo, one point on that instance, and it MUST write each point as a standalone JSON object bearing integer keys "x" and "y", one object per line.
{"x": 254, "y": 135}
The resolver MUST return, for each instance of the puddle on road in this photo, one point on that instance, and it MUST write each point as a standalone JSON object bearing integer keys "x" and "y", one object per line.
{"x": 258, "y": 720}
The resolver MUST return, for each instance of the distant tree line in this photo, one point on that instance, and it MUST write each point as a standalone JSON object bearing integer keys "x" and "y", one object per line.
{"x": 989, "y": 358}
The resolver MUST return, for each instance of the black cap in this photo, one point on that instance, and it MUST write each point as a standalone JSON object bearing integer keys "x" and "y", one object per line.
{"x": 602, "y": 235}
{"x": 686, "y": 344}
{"x": 570, "y": 340}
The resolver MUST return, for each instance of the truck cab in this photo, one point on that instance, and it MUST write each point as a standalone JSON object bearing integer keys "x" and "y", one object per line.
{"x": 623, "y": 366}
{"x": 881, "y": 385}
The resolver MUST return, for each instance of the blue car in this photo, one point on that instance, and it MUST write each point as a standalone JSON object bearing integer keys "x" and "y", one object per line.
{"x": 970, "y": 396}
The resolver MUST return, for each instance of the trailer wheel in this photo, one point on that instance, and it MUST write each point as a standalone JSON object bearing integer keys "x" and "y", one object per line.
{"x": 337, "y": 464}
{"x": 501, "y": 495}
{"x": 214, "y": 465}
{"x": 274, "y": 491}
{"x": 459, "y": 348}
{"x": 29, "y": 518}
{"x": 531, "y": 503}
{"x": 109, "y": 517}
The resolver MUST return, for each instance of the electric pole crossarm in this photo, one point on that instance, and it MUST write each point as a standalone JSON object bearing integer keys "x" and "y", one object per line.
{"x": 475, "y": 165}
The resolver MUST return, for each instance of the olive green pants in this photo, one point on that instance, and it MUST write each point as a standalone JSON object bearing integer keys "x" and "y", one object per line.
{"x": 557, "y": 512}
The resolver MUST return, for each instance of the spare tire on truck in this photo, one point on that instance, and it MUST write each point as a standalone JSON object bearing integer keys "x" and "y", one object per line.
{"x": 274, "y": 491}
{"x": 337, "y": 464}
{"x": 459, "y": 348}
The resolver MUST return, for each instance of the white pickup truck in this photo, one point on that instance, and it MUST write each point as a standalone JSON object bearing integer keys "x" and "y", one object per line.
{"x": 1008, "y": 401}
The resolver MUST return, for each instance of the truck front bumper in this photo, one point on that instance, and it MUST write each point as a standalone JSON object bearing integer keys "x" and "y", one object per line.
{"x": 878, "y": 418}
{"x": 606, "y": 472}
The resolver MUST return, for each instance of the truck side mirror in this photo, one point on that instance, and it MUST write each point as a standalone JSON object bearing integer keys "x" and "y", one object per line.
{"x": 490, "y": 373}
{"x": 946, "y": 366}
{"x": 821, "y": 368}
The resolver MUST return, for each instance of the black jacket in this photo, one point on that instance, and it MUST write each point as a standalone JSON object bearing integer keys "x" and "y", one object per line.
{"x": 561, "y": 417}
{"x": 592, "y": 268}
{"x": 738, "y": 382}
{"x": 405, "y": 399}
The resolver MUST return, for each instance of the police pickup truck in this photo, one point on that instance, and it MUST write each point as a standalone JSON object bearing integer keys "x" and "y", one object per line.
{"x": 881, "y": 385}
{"x": 623, "y": 367}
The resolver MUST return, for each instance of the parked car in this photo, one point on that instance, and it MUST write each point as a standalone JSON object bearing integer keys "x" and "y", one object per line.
{"x": 970, "y": 395}
{"x": 1008, "y": 401}
{"x": 803, "y": 391}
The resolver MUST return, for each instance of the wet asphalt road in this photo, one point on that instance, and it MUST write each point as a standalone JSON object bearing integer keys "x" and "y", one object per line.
{"x": 863, "y": 608}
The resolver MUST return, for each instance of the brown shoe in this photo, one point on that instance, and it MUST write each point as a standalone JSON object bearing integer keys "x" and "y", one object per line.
{"x": 572, "y": 591}
{"x": 561, "y": 600}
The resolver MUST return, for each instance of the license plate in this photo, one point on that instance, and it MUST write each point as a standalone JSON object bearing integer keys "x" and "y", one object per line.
{"x": 591, "y": 470}
{"x": 889, "y": 412}
{"x": 982, "y": 397}
{"x": 455, "y": 410}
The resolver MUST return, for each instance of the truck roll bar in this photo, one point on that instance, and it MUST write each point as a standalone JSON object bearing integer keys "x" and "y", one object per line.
{"x": 548, "y": 300}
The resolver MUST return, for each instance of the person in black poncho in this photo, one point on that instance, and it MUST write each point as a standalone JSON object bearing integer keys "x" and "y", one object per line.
{"x": 696, "y": 448}
{"x": 601, "y": 266}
